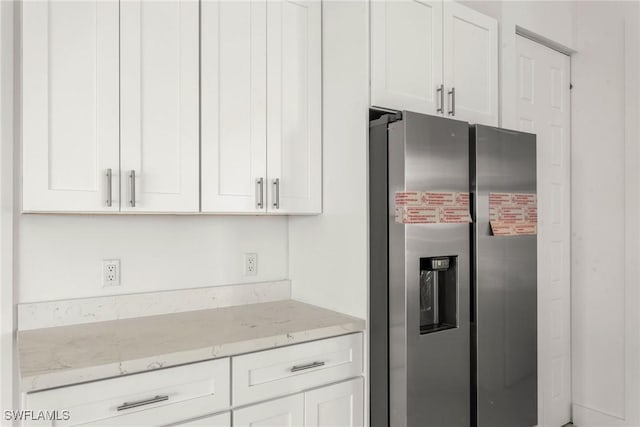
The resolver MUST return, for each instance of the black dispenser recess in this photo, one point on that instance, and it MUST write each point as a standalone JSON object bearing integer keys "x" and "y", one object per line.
{"x": 438, "y": 293}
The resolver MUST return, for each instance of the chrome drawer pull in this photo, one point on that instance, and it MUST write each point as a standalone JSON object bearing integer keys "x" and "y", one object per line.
{"x": 132, "y": 177}
{"x": 276, "y": 193}
{"x": 309, "y": 366}
{"x": 129, "y": 405}
{"x": 260, "y": 193}
{"x": 109, "y": 192}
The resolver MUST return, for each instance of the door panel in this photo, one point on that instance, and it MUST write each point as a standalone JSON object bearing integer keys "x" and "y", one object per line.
{"x": 544, "y": 108}
{"x": 406, "y": 55}
{"x": 339, "y": 405}
{"x": 294, "y": 124}
{"x": 285, "y": 412}
{"x": 70, "y": 105}
{"x": 470, "y": 64}
{"x": 233, "y": 106}
{"x": 159, "y": 105}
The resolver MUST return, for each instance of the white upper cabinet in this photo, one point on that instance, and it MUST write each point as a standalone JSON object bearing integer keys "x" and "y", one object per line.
{"x": 70, "y": 106}
{"x": 406, "y": 55}
{"x": 470, "y": 64}
{"x": 294, "y": 104}
{"x": 233, "y": 91}
{"x": 174, "y": 106}
{"x": 159, "y": 71}
{"x": 434, "y": 57}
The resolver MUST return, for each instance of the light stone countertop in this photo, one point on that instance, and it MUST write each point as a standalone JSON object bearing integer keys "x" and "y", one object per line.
{"x": 66, "y": 355}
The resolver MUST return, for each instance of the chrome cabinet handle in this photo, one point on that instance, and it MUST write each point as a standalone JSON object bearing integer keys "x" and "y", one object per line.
{"x": 129, "y": 405}
{"x": 276, "y": 192}
{"x": 109, "y": 175}
{"x": 440, "y": 94}
{"x": 308, "y": 366}
{"x": 260, "y": 193}
{"x": 452, "y": 94}
{"x": 132, "y": 181}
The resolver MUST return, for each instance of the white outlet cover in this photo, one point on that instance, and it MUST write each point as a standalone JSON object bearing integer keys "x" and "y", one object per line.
{"x": 250, "y": 264}
{"x": 110, "y": 272}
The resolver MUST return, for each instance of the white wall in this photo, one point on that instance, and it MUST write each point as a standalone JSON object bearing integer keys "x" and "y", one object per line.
{"x": 7, "y": 314}
{"x": 328, "y": 253}
{"x": 605, "y": 197}
{"x": 59, "y": 256}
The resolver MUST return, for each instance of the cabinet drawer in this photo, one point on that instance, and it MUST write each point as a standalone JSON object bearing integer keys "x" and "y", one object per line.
{"x": 159, "y": 397}
{"x": 286, "y": 370}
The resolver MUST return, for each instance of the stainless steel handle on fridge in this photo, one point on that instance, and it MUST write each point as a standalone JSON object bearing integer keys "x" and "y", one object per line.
{"x": 129, "y": 405}
{"x": 452, "y": 94}
{"x": 440, "y": 95}
{"x": 276, "y": 193}
{"x": 308, "y": 366}
{"x": 109, "y": 195}
{"x": 260, "y": 193}
{"x": 132, "y": 179}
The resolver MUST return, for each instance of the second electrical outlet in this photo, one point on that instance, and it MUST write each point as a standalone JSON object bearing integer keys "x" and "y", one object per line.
{"x": 111, "y": 272}
{"x": 250, "y": 264}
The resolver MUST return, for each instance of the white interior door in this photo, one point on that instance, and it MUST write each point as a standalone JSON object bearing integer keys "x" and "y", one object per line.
{"x": 233, "y": 102}
{"x": 338, "y": 405}
{"x": 294, "y": 119}
{"x": 159, "y": 66}
{"x": 544, "y": 109}
{"x": 470, "y": 65}
{"x": 285, "y": 412}
{"x": 406, "y": 55}
{"x": 70, "y": 105}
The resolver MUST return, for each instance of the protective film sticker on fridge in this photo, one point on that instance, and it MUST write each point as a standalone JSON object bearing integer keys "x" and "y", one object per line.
{"x": 513, "y": 214}
{"x": 432, "y": 207}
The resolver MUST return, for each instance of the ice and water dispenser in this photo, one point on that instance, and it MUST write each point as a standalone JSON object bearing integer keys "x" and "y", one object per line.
{"x": 438, "y": 293}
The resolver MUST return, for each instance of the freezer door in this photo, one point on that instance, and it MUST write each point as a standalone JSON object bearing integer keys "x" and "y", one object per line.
{"x": 429, "y": 355}
{"x": 504, "y": 321}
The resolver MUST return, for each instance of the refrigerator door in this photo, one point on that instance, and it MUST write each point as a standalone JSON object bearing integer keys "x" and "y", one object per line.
{"x": 504, "y": 320}
{"x": 429, "y": 376}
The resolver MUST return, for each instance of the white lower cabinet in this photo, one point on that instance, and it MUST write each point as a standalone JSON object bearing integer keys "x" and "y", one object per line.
{"x": 218, "y": 420}
{"x": 285, "y": 412}
{"x": 312, "y": 384}
{"x": 338, "y": 405}
{"x": 156, "y": 398}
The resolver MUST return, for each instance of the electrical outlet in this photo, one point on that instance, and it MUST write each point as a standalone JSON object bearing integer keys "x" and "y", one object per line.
{"x": 250, "y": 264}
{"x": 111, "y": 272}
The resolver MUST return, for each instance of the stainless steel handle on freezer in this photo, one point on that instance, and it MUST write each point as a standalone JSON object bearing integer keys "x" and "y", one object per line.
{"x": 440, "y": 95}
{"x": 260, "y": 193}
{"x": 109, "y": 175}
{"x": 452, "y": 94}
{"x": 276, "y": 193}
{"x": 308, "y": 366}
{"x": 132, "y": 179}
{"x": 129, "y": 405}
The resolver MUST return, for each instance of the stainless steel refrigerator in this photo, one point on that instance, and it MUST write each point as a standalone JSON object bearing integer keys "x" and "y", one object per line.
{"x": 452, "y": 308}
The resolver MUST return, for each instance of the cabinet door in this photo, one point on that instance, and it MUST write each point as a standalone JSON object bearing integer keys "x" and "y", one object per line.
{"x": 338, "y": 405}
{"x": 220, "y": 420}
{"x": 470, "y": 65}
{"x": 406, "y": 55}
{"x": 294, "y": 119}
{"x": 285, "y": 412}
{"x": 233, "y": 100}
{"x": 159, "y": 105}
{"x": 70, "y": 105}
